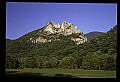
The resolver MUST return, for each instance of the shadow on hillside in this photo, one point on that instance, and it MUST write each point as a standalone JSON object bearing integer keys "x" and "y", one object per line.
{"x": 34, "y": 76}
{"x": 65, "y": 76}
{"x": 11, "y": 71}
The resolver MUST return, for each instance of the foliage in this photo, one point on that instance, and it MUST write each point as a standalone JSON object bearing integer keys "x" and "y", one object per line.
{"x": 67, "y": 62}
{"x": 12, "y": 62}
{"x": 40, "y": 61}
{"x": 99, "y": 53}
{"x": 91, "y": 62}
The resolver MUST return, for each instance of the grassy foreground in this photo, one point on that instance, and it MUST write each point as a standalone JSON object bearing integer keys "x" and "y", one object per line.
{"x": 61, "y": 73}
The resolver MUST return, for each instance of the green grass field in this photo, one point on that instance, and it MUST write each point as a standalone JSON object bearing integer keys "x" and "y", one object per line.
{"x": 70, "y": 73}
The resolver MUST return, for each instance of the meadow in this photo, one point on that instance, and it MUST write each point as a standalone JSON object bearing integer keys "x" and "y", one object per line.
{"x": 59, "y": 73}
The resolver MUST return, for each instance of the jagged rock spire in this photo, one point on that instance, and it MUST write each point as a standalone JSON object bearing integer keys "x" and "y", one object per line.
{"x": 65, "y": 29}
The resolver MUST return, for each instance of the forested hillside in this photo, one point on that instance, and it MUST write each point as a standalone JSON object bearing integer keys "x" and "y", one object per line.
{"x": 93, "y": 35}
{"x": 99, "y": 53}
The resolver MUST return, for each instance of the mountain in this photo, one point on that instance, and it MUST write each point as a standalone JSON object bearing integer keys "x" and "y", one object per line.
{"x": 94, "y": 34}
{"x": 49, "y": 40}
{"x": 55, "y": 46}
{"x": 104, "y": 43}
{"x": 53, "y": 32}
{"x": 8, "y": 39}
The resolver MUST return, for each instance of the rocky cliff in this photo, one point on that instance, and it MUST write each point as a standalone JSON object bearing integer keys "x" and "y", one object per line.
{"x": 52, "y": 31}
{"x": 66, "y": 28}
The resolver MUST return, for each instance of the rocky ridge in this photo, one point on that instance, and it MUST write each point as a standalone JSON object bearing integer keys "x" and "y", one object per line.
{"x": 52, "y": 31}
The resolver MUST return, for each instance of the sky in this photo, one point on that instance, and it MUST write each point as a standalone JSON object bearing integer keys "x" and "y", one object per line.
{"x": 24, "y": 17}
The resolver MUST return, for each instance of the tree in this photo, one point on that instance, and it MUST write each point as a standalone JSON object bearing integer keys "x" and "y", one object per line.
{"x": 40, "y": 61}
{"x": 78, "y": 59}
{"x": 47, "y": 64}
{"x": 54, "y": 62}
{"x": 103, "y": 59}
{"x": 12, "y": 62}
{"x": 67, "y": 62}
{"x": 28, "y": 62}
{"x": 108, "y": 62}
{"x": 91, "y": 62}
{"x": 111, "y": 51}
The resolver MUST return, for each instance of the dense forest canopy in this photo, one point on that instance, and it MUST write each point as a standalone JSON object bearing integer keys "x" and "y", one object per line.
{"x": 98, "y": 54}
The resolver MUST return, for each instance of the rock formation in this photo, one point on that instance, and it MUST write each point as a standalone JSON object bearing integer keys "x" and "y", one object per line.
{"x": 65, "y": 29}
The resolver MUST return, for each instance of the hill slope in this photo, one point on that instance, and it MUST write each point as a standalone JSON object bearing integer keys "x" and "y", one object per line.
{"x": 103, "y": 43}
{"x": 94, "y": 34}
{"x": 63, "y": 53}
{"x": 49, "y": 40}
{"x": 53, "y": 32}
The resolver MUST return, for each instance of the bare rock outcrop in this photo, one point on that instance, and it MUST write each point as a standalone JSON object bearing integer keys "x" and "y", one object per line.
{"x": 65, "y": 29}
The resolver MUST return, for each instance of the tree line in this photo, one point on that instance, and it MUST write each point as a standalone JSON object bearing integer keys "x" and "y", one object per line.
{"x": 97, "y": 54}
{"x": 95, "y": 61}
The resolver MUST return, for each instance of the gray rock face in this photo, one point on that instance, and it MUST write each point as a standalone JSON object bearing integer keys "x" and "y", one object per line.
{"x": 65, "y": 29}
